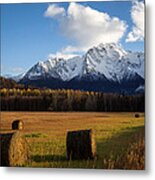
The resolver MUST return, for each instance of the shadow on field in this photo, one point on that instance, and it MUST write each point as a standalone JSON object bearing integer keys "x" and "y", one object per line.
{"x": 112, "y": 147}
{"x": 118, "y": 143}
{"x": 48, "y": 158}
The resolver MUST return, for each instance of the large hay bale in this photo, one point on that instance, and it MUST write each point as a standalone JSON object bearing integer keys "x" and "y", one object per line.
{"x": 80, "y": 145}
{"x": 137, "y": 115}
{"x": 14, "y": 149}
{"x": 17, "y": 125}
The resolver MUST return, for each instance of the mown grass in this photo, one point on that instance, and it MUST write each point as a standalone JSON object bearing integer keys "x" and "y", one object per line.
{"x": 35, "y": 135}
{"x": 118, "y": 136}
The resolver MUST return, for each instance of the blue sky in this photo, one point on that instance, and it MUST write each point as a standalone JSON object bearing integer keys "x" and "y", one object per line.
{"x": 33, "y": 32}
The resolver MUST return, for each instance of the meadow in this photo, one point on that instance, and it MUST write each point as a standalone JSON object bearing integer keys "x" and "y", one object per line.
{"x": 119, "y": 138}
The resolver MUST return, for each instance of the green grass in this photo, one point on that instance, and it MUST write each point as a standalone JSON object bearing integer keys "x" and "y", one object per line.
{"x": 36, "y": 135}
{"x": 53, "y": 153}
{"x": 46, "y": 134}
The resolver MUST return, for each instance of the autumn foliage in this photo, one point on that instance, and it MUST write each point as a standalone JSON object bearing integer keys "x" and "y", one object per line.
{"x": 32, "y": 99}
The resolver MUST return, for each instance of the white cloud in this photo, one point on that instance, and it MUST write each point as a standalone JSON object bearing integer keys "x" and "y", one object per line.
{"x": 54, "y": 11}
{"x": 60, "y": 54}
{"x": 66, "y": 53}
{"x": 87, "y": 27}
{"x": 137, "y": 15}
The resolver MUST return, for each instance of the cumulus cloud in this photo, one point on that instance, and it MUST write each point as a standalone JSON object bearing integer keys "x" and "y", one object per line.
{"x": 137, "y": 15}
{"x": 54, "y": 11}
{"x": 66, "y": 53}
{"x": 87, "y": 27}
{"x": 61, "y": 54}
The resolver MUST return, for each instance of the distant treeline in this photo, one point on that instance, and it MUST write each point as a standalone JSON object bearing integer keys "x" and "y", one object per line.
{"x": 9, "y": 83}
{"x": 31, "y": 99}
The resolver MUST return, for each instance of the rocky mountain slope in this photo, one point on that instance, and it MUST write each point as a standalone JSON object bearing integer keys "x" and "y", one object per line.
{"x": 106, "y": 67}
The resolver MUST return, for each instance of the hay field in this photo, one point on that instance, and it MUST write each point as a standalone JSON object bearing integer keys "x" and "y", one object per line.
{"x": 115, "y": 135}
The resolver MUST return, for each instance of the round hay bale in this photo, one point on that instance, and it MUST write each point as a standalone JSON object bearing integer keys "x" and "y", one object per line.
{"x": 137, "y": 115}
{"x": 80, "y": 145}
{"x": 17, "y": 125}
{"x": 14, "y": 149}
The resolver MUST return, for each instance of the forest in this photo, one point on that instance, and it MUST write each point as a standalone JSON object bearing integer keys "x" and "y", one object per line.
{"x": 16, "y": 99}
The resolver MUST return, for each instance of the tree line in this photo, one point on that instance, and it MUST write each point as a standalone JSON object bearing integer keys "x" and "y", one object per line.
{"x": 9, "y": 83}
{"x": 33, "y": 99}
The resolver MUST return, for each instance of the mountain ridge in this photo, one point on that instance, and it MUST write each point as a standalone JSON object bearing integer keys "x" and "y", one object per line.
{"x": 105, "y": 67}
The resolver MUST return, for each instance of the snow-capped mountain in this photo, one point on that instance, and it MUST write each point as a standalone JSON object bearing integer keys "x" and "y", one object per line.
{"x": 106, "y": 67}
{"x": 16, "y": 78}
{"x": 56, "y": 68}
{"x": 114, "y": 62}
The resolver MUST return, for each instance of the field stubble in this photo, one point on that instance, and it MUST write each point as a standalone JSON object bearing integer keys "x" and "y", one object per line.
{"x": 119, "y": 138}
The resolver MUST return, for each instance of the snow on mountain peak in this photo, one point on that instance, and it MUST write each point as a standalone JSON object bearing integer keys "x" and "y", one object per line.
{"x": 109, "y": 60}
{"x": 114, "y": 62}
{"x": 56, "y": 68}
{"x": 112, "y": 49}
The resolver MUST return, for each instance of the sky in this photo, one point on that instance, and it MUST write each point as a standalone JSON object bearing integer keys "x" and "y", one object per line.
{"x": 38, "y": 31}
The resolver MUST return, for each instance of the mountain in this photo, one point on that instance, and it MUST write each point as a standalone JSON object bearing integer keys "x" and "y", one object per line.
{"x": 9, "y": 83}
{"x": 106, "y": 67}
{"x": 16, "y": 78}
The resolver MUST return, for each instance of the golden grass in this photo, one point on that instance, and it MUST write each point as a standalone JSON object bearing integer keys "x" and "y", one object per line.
{"x": 46, "y": 135}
